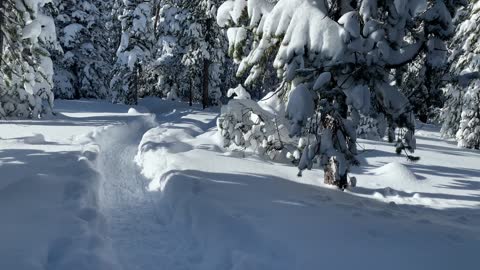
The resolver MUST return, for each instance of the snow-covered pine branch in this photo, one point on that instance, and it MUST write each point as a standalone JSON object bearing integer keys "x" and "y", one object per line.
{"x": 336, "y": 67}
{"x": 187, "y": 59}
{"x": 83, "y": 68}
{"x": 26, "y": 69}
{"x": 134, "y": 50}
{"x": 423, "y": 78}
{"x": 461, "y": 113}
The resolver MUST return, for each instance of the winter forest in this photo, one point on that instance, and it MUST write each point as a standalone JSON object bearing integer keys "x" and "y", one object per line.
{"x": 239, "y": 134}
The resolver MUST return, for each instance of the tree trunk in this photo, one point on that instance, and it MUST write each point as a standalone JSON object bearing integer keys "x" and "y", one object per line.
{"x": 329, "y": 173}
{"x": 206, "y": 64}
{"x": 157, "y": 15}
{"x": 131, "y": 97}
{"x": 1, "y": 31}
{"x": 77, "y": 94}
{"x": 206, "y": 67}
{"x": 332, "y": 177}
{"x": 190, "y": 98}
{"x": 138, "y": 74}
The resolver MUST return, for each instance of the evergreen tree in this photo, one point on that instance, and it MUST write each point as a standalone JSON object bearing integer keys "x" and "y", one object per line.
{"x": 134, "y": 51}
{"x": 189, "y": 45}
{"x": 423, "y": 79}
{"x": 177, "y": 56}
{"x": 424, "y": 94}
{"x": 81, "y": 70}
{"x": 335, "y": 60}
{"x": 26, "y": 69}
{"x": 462, "y": 111}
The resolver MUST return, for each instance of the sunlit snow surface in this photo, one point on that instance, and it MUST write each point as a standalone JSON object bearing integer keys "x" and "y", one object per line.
{"x": 162, "y": 193}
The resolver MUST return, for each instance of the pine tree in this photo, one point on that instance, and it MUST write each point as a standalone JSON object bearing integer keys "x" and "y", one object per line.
{"x": 335, "y": 60}
{"x": 189, "y": 45}
{"x": 134, "y": 50}
{"x": 462, "y": 111}
{"x": 167, "y": 69}
{"x": 81, "y": 70}
{"x": 423, "y": 79}
{"x": 423, "y": 93}
{"x": 26, "y": 69}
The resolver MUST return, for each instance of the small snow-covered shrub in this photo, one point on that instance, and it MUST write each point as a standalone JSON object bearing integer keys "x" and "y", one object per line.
{"x": 243, "y": 123}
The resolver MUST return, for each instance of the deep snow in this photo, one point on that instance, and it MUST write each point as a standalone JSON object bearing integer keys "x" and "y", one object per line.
{"x": 105, "y": 186}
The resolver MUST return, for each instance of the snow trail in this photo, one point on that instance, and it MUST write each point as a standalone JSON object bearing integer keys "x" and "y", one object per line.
{"x": 123, "y": 200}
{"x": 138, "y": 235}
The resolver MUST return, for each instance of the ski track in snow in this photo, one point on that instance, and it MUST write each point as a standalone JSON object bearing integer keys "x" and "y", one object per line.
{"x": 140, "y": 239}
{"x": 127, "y": 208}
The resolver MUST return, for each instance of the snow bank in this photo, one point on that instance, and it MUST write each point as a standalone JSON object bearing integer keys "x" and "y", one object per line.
{"x": 168, "y": 140}
{"x": 153, "y": 149}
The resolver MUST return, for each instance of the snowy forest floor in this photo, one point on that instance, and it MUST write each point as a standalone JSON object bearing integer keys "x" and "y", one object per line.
{"x": 100, "y": 186}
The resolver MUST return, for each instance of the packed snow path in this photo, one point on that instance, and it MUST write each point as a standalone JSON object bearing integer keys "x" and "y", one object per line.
{"x": 139, "y": 237}
{"x": 130, "y": 212}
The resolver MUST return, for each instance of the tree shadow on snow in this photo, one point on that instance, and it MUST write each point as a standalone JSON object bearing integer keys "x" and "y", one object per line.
{"x": 62, "y": 120}
{"x": 463, "y": 184}
{"x": 277, "y": 192}
{"x": 428, "y": 195}
{"x": 420, "y": 170}
{"x": 28, "y": 163}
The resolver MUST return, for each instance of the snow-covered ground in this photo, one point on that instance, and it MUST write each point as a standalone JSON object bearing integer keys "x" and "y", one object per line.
{"x": 103, "y": 186}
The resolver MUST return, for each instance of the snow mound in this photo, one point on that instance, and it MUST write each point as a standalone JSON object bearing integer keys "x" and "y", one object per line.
{"x": 35, "y": 139}
{"x": 138, "y": 110}
{"x": 132, "y": 111}
{"x": 155, "y": 145}
{"x": 396, "y": 171}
